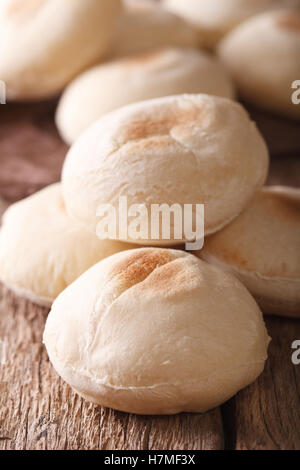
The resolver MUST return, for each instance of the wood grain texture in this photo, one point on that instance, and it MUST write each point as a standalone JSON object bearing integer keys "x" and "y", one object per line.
{"x": 39, "y": 411}
{"x": 267, "y": 414}
{"x": 31, "y": 152}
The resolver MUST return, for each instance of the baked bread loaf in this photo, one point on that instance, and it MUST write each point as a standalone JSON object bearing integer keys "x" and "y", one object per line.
{"x": 263, "y": 56}
{"x": 45, "y": 43}
{"x": 185, "y": 149}
{"x": 160, "y": 73}
{"x": 145, "y": 26}
{"x": 42, "y": 250}
{"x": 262, "y": 248}
{"x": 215, "y": 18}
{"x": 156, "y": 331}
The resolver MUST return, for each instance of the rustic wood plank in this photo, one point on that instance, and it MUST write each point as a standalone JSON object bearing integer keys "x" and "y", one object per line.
{"x": 185, "y": 431}
{"x": 31, "y": 152}
{"x": 267, "y": 414}
{"x": 188, "y": 432}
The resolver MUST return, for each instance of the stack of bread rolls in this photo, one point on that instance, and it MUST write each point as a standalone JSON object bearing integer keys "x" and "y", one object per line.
{"x": 140, "y": 324}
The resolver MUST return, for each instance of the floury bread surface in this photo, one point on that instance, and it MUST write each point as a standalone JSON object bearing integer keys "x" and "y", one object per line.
{"x": 152, "y": 75}
{"x": 215, "y": 18}
{"x": 263, "y": 56}
{"x": 145, "y": 26}
{"x": 262, "y": 248}
{"x": 45, "y": 43}
{"x": 156, "y": 331}
{"x": 186, "y": 149}
{"x": 42, "y": 250}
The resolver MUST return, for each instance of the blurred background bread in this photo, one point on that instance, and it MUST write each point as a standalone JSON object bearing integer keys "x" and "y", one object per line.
{"x": 46, "y": 43}
{"x": 145, "y": 25}
{"x": 215, "y": 18}
{"x": 154, "y": 74}
{"x": 262, "y": 248}
{"x": 263, "y": 56}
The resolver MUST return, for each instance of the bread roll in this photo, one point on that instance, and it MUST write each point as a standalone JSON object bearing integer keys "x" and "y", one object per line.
{"x": 156, "y": 331}
{"x": 263, "y": 55}
{"x": 262, "y": 248}
{"x": 42, "y": 250}
{"x": 152, "y": 75}
{"x": 214, "y": 18}
{"x": 185, "y": 149}
{"x": 145, "y": 26}
{"x": 45, "y": 43}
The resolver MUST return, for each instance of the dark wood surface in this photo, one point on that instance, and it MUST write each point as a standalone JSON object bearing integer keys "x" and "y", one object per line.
{"x": 31, "y": 153}
{"x": 39, "y": 411}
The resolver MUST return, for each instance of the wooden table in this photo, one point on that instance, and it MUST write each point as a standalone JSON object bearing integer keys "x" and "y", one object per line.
{"x": 39, "y": 411}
